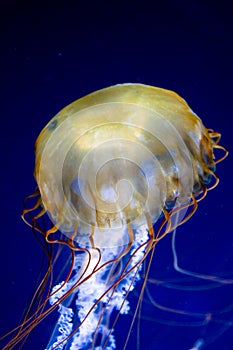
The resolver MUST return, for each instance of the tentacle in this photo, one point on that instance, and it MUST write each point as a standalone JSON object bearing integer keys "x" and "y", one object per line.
{"x": 226, "y": 152}
{"x": 214, "y": 135}
{"x": 167, "y": 222}
{"x": 216, "y": 181}
{"x": 199, "y": 196}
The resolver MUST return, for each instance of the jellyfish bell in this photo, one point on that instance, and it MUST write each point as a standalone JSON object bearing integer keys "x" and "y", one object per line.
{"x": 117, "y": 154}
{"x": 109, "y": 167}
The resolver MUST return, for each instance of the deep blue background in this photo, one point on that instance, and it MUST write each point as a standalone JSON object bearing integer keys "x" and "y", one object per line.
{"x": 54, "y": 54}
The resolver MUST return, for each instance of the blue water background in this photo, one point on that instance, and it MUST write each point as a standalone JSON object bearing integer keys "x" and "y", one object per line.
{"x": 54, "y": 54}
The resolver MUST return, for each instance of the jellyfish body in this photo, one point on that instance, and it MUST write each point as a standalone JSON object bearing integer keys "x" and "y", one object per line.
{"x": 117, "y": 154}
{"x": 108, "y": 167}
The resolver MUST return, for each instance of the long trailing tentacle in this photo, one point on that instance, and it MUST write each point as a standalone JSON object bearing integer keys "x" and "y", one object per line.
{"x": 29, "y": 322}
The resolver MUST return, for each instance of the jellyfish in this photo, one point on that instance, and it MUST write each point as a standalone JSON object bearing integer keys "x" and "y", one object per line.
{"x": 116, "y": 171}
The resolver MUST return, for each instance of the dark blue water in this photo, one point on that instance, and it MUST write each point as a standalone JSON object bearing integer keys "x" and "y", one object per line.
{"x": 52, "y": 55}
